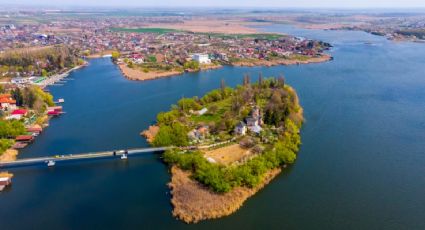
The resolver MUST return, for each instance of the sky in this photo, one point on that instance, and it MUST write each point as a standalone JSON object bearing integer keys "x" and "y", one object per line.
{"x": 230, "y": 3}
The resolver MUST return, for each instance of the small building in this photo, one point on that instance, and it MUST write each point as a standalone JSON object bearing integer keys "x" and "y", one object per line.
{"x": 7, "y": 103}
{"x": 255, "y": 129}
{"x": 199, "y": 133}
{"x": 251, "y": 121}
{"x": 37, "y": 129}
{"x": 201, "y": 58}
{"x": 240, "y": 128}
{"x": 202, "y": 111}
{"x": 24, "y": 138}
{"x": 255, "y": 120}
{"x": 17, "y": 114}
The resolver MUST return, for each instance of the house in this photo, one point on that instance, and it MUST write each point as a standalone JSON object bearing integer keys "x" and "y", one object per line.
{"x": 17, "y": 114}
{"x": 199, "y": 133}
{"x": 24, "y": 138}
{"x": 255, "y": 120}
{"x": 7, "y": 103}
{"x": 37, "y": 129}
{"x": 201, "y": 58}
{"x": 22, "y": 112}
{"x": 240, "y": 128}
{"x": 202, "y": 111}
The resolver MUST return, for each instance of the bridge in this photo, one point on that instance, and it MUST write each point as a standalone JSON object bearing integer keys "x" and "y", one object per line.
{"x": 51, "y": 160}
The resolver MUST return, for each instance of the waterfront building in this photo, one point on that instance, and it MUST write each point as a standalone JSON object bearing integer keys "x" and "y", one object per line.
{"x": 7, "y": 103}
{"x": 201, "y": 58}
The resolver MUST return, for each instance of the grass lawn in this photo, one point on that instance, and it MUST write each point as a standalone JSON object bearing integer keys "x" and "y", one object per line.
{"x": 223, "y": 106}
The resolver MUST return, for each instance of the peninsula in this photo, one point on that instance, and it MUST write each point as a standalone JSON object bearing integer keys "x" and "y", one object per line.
{"x": 166, "y": 52}
{"x": 229, "y": 144}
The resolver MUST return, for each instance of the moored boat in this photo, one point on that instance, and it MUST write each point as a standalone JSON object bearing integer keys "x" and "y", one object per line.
{"x": 5, "y": 180}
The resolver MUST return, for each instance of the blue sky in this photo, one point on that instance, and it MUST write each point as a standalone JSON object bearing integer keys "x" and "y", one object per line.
{"x": 230, "y": 3}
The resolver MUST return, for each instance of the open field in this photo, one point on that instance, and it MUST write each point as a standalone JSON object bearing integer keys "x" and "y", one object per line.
{"x": 208, "y": 25}
{"x": 229, "y": 154}
{"x": 144, "y": 30}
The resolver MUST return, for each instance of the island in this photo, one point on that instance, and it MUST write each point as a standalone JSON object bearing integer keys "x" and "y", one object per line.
{"x": 227, "y": 145}
{"x": 167, "y": 52}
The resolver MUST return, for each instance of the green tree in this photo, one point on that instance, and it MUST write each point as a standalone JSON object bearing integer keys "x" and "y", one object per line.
{"x": 18, "y": 97}
{"x": 186, "y": 104}
{"x": 194, "y": 65}
{"x": 11, "y": 129}
{"x": 152, "y": 59}
{"x": 115, "y": 55}
{"x": 5, "y": 144}
{"x": 44, "y": 73}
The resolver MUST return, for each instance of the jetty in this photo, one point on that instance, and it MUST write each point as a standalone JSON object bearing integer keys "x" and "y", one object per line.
{"x": 52, "y": 160}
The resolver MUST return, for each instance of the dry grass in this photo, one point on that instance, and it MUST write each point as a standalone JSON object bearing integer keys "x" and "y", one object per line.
{"x": 6, "y": 174}
{"x": 229, "y": 154}
{"x": 139, "y": 75}
{"x": 150, "y": 133}
{"x": 193, "y": 202}
{"x": 9, "y": 155}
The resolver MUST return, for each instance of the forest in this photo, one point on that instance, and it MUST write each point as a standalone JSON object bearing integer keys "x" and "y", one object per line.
{"x": 38, "y": 61}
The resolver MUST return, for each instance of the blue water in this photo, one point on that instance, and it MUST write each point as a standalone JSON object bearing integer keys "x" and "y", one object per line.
{"x": 361, "y": 165}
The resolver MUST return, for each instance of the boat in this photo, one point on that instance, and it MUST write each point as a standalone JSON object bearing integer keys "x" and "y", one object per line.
{"x": 51, "y": 163}
{"x": 5, "y": 180}
{"x": 61, "y": 100}
{"x": 124, "y": 157}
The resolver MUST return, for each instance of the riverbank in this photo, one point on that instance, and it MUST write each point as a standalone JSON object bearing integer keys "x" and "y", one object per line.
{"x": 59, "y": 77}
{"x": 194, "y": 202}
{"x": 268, "y": 63}
{"x": 140, "y": 75}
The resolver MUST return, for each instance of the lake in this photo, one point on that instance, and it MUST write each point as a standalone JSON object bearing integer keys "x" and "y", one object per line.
{"x": 361, "y": 164}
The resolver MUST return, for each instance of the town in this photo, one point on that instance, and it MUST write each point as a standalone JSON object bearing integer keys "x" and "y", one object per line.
{"x": 137, "y": 45}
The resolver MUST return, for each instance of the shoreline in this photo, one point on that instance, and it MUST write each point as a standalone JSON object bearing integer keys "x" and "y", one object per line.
{"x": 312, "y": 60}
{"x": 58, "y": 77}
{"x": 138, "y": 75}
{"x": 193, "y": 202}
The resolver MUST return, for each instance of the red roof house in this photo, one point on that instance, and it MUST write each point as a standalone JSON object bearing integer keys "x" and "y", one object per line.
{"x": 20, "y": 112}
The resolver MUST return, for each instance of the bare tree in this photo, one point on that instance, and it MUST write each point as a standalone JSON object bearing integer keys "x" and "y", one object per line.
{"x": 260, "y": 79}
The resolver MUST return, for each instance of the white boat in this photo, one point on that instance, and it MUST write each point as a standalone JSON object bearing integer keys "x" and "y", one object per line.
{"x": 124, "y": 157}
{"x": 61, "y": 100}
{"x": 51, "y": 163}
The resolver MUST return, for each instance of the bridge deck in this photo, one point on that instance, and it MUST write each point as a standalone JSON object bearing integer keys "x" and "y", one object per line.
{"x": 69, "y": 157}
